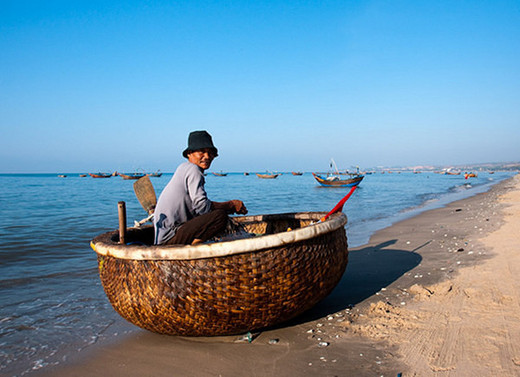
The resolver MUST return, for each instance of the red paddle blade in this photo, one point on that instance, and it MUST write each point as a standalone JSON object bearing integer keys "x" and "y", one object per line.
{"x": 340, "y": 204}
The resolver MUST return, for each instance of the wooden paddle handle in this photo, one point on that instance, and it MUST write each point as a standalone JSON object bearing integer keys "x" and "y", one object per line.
{"x": 121, "y": 209}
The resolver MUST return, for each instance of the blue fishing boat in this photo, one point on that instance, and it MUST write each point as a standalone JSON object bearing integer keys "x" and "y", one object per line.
{"x": 336, "y": 180}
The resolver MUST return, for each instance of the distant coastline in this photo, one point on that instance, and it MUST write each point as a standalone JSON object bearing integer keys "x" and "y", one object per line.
{"x": 476, "y": 167}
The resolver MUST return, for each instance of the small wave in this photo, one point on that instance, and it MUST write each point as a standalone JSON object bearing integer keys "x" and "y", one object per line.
{"x": 39, "y": 279}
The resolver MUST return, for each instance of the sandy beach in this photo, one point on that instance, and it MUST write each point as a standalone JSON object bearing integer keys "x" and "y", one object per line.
{"x": 434, "y": 295}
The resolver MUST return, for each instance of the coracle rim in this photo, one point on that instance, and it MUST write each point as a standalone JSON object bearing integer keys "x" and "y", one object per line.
{"x": 218, "y": 249}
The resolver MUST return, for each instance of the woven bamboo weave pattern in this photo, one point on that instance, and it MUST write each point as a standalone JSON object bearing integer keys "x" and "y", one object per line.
{"x": 225, "y": 295}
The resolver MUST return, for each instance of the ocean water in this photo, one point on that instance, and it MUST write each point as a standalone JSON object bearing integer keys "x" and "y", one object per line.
{"x": 52, "y": 302}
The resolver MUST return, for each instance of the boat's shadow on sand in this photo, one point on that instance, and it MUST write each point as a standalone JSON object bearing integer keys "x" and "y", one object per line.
{"x": 369, "y": 269}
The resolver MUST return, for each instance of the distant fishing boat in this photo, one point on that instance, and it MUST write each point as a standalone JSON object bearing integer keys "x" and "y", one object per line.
{"x": 220, "y": 174}
{"x": 452, "y": 173}
{"x": 82, "y": 175}
{"x": 246, "y": 173}
{"x": 62, "y": 176}
{"x": 297, "y": 173}
{"x": 336, "y": 180}
{"x": 156, "y": 174}
{"x": 469, "y": 175}
{"x": 100, "y": 175}
{"x": 131, "y": 175}
{"x": 267, "y": 176}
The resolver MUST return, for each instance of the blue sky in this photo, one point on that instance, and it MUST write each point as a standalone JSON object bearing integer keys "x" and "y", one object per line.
{"x": 281, "y": 85}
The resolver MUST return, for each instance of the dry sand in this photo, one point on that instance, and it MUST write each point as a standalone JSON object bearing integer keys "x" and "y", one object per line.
{"x": 468, "y": 325}
{"x": 434, "y": 295}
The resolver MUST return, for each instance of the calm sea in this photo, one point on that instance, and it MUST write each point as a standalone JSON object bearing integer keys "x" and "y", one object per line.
{"x": 52, "y": 302}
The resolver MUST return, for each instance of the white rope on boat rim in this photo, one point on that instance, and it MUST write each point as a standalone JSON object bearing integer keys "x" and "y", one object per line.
{"x": 219, "y": 249}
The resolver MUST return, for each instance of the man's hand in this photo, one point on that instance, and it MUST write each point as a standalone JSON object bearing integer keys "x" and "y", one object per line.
{"x": 239, "y": 207}
{"x": 232, "y": 206}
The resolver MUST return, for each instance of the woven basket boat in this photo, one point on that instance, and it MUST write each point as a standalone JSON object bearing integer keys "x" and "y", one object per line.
{"x": 224, "y": 288}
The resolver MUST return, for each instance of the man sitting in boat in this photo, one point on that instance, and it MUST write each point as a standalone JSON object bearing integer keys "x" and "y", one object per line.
{"x": 184, "y": 214}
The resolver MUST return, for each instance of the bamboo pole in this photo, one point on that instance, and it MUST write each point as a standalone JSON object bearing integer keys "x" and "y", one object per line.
{"x": 121, "y": 209}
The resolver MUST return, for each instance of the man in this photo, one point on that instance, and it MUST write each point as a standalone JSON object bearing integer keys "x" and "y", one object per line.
{"x": 184, "y": 214}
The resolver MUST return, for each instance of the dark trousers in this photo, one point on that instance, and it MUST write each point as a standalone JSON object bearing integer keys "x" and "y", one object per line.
{"x": 202, "y": 227}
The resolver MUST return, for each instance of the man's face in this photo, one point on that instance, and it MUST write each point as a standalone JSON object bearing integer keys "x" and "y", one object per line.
{"x": 202, "y": 158}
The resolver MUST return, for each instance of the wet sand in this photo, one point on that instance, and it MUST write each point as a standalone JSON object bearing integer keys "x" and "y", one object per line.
{"x": 434, "y": 295}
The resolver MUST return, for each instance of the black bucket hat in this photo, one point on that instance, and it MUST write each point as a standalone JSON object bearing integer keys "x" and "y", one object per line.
{"x": 199, "y": 140}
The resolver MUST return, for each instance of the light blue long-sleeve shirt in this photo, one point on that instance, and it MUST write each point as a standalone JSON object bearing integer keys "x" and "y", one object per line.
{"x": 183, "y": 198}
